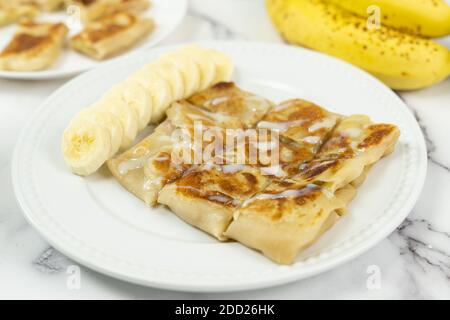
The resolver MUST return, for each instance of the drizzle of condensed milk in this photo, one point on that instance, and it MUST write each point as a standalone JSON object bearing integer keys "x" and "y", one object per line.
{"x": 325, "y": 123}
{"x": 280, "y": 126}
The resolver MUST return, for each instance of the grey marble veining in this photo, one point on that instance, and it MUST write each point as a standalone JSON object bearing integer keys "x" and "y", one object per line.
{"x": 431, "y": 146}
{"x": 51, "y": 261}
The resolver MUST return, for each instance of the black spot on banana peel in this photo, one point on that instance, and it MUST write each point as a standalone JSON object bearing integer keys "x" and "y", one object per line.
{"x": 402, "y": 61}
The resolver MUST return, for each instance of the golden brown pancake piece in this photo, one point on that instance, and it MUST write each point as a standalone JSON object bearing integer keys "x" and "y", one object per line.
{"x": 227, "y": 99}
{"x": 147, "y": 167}
{"x": 284, "y": 219}
{"x": 11, "y": 12}
{"x": 301, "y": 121}
{"x": 355, "y": 145}
{"x": 206, "y": 197}
{"x": 111, "y": 35}
{"x": 35, "y": 46}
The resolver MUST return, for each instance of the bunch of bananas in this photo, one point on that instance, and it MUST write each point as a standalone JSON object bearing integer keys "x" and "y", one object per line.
{"x": 397, "y": 50}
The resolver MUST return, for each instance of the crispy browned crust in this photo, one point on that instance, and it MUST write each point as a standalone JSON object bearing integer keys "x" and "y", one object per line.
{"x": 206, "y": 198}
{"x": 27, "y": 41}
{"x": 272, "y": 205}
{"x": 208, "y": 184}
{"x": 377, "y": 133}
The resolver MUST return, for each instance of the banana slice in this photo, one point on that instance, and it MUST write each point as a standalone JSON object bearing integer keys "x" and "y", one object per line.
{"x": 135, "y": 97}
{"x": 104, "y": 118}
{"x": 128, "y": 118}
{"x": 170, "y": 72}
{"x": 224, "y": 65}
{"x": 86, "y": 144}
{"x": 85, "y": 148}
{"x": 189, "y": 71}
{"x": 159, "y": 90}
{"x": 204, "y": 62}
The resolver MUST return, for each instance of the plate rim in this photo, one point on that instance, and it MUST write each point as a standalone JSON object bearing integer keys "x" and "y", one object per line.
{"x": 282, "y": 278}
{"x": 58, "y": 74}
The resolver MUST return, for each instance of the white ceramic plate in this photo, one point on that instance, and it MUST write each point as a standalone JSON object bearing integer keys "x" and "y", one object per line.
{"x": 97, "y": 223}
{"x": 167, "y": 15}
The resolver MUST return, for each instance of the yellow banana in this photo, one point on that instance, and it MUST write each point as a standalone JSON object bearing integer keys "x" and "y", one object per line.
{"x": 428, "y": 18}
{"x": 402, "y": 61}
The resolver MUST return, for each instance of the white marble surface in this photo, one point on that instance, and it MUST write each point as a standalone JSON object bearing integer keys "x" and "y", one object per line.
{"x": 414, "y": 261}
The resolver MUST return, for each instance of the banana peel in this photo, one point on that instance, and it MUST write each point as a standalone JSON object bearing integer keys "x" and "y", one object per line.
{"x": 401, "y": 60}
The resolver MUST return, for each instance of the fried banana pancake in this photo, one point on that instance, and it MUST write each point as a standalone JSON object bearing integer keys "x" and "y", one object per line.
{"x": 35, "y": 46}
{"x": 111, "y": 35}
{"x": 277, "y": 205}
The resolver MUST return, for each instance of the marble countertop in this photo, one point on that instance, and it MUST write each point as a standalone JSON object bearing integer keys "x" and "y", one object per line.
{"x": 412, "y": 263}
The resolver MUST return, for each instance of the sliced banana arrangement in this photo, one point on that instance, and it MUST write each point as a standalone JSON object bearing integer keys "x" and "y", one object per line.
{"x": 111, "y": 124}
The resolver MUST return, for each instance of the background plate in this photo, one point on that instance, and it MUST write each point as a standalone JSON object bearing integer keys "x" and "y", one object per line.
{"x": 167, "y": 15}
{"x": 96, "y": 222}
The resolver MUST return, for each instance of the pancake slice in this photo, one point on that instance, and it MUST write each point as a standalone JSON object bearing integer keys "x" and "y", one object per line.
{"x": 111, "y": 35}
{"x": 10, "y": 13}
{"x": 284, "y": 219}
{"x": 226, "y": 98}
{"x": 354, "y": 146}
{"x": 35, "y": 46}
{"x": 147, "y": 166}
{"x": 206, "y": 197}
{"x": 301, "y": 121}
